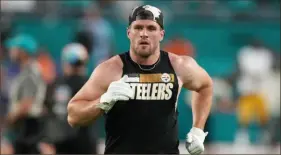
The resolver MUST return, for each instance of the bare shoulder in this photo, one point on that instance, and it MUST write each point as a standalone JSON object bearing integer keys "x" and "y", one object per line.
{"x": 109, "y": 70}
{"x": 105, "y": 73}
{"x": 191, "y": 74}
{"x": 114, "y": 63}
{"x": 180, "y": 63}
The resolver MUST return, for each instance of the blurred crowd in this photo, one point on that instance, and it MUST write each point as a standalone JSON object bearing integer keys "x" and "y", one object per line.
{"x": 250, "y": 90}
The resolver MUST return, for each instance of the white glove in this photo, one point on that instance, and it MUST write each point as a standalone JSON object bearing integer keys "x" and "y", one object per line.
{"x": 195, "y": 141}
{"x": 117, "y": 91}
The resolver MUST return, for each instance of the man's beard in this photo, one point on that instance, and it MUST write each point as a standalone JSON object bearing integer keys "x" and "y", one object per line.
{"x": 144, "y": 53}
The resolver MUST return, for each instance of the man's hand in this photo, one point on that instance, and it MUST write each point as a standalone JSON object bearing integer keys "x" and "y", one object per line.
{"x": 19, "y": 112}
{"x": 24, "y": 108}
{"x": 195, "y": 141}
{"x": 117, "y": 91}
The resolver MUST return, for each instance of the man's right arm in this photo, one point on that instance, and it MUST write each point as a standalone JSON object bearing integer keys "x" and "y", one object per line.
{"x": 82, "y": 108}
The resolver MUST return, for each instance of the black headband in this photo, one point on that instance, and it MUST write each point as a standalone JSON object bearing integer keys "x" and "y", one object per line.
{"x": 147, "y": 12}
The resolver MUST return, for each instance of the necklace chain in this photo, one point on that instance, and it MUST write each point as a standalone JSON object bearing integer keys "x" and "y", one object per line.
{"x": 151, "y": 67}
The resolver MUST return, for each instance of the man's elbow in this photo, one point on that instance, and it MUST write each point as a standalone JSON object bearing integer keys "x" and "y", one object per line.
{"x": 210, "y": 84}
{"x": 71, "y": 121}
{"x": 206, "y": 88}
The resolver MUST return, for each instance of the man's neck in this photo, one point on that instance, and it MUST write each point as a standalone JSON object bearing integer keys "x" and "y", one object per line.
{"x": 152, "y": 59}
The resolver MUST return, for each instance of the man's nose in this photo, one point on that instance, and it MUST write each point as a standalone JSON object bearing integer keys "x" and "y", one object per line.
{"x": 143, "y": 33}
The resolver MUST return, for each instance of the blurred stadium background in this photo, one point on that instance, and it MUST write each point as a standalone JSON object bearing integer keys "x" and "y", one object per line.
{"x": 236, "y": 41}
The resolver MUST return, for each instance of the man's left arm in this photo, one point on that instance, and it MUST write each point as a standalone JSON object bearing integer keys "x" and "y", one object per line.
{"x": 201, "y": 102}
{"x": 197, "y": 80}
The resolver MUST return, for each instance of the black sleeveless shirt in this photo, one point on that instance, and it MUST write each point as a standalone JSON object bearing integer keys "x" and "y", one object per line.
{"x": 147, "y": 123}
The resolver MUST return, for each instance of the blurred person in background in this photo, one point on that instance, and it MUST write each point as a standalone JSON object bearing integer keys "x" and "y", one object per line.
{"x": 223, "y": 95}
{"x": 255, "y": 63}
{"x": 102, "y": 35}
{"x": 5, "y": 146}
{"x": 27, "y": 94}
{"x": 59, "y": 134}
{"x": 180, "y": 46}
{"x": 123, "y": 8}
{"x": 47, "y": 66}
{"x": 85, "y": 38}
{"x": 3, "y": 94}
{"x": 145, "y": 123}
{"x": 9, "y": 70}
{"x": 271, "y": 90}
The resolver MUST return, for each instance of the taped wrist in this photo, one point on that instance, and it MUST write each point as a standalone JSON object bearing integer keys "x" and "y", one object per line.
{"x": 106, "y": 107}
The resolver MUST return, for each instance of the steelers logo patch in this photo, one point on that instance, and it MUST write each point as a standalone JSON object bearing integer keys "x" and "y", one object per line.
{"x": 166, "y": 77}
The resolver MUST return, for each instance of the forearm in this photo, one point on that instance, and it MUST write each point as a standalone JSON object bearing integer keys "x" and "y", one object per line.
{"x": 201, "y": 105}
{"x": 83, "y": 112}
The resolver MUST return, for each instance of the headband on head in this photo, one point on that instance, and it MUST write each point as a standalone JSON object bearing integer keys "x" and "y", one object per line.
{"x": 147, "y": 12}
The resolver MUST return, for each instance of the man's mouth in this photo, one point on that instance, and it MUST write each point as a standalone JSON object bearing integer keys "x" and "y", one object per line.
{"x": 144, "y": 43}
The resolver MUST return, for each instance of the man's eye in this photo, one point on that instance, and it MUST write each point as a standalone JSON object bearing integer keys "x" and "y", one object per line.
{"x": 151, "y": 28}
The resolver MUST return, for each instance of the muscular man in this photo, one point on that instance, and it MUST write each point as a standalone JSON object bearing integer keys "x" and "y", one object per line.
{"x": 137, "y": 93}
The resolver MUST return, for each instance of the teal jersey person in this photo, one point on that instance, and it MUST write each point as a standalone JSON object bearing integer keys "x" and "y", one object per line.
{"x": 27, "y": 95}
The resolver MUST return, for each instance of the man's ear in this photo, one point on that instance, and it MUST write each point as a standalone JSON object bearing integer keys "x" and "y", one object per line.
{"x": 162, "y": 33}
{"x": 128, "y": 32}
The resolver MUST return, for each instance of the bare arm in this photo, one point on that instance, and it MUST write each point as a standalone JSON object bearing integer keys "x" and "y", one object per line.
{"x": 82, "y": 108}
{"x": 200, "y": 83}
